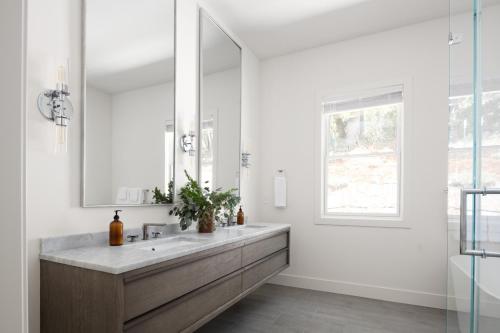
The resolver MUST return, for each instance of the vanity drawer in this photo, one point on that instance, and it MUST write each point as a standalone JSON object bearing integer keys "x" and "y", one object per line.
{"x": 158, "y": 288}
{"x": 261, "y": 271}
{"x": 187, "y": 310}
{"x": 260, "y": 249}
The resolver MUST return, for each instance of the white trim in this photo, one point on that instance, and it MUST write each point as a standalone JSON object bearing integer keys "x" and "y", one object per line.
{"x": 15, "y": 258}
{"x": 357, "y": 93}
{"x": 398, "y": 295}
{"x": 170, "y": 168}
{"x": 213, "y": 116}
{"x": 24, "y": 246}
{"x": 368, "y": 220}
{"x": 365, "y": 221}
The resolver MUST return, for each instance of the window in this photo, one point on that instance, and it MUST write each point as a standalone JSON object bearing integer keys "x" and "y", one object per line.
{"x": 169, "y": 153}
{"x": 208, "y": 150}
{"x": 362, "y": 154}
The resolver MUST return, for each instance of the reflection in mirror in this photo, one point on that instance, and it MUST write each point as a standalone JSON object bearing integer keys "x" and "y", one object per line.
{"x": 220, "y": 106}
{"x": 128, "y": 102}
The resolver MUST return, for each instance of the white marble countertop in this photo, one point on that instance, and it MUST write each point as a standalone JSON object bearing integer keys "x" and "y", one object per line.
{"x": 130, "y": 256}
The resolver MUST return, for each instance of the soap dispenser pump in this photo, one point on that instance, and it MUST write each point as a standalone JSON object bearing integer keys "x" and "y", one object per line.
{"x": 116, "y": 231}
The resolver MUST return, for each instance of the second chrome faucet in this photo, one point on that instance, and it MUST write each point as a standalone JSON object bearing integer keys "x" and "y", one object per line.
{"x": 153, "y": 230}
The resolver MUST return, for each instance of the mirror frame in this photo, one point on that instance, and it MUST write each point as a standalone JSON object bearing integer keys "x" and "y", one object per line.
{"x": 83, "y": 106}
{"x": 203, "y": 13}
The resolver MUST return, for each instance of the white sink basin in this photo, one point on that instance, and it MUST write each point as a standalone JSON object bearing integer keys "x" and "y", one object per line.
{"x": 168, "y": 244}
{"x": 254, "y": 226}
{"x": 244, "y": 229}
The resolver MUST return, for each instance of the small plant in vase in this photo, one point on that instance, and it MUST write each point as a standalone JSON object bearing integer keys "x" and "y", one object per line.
{"x": 161, "y": 198}
{"x": 202, "y": 205}
{"x": 229, "y": 208}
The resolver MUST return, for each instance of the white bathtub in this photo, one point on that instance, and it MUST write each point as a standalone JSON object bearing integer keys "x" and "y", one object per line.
{"x": 459, "y": 291}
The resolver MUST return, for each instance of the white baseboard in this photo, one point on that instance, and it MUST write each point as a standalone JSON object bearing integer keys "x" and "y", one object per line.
{"x": 362, "y": 290}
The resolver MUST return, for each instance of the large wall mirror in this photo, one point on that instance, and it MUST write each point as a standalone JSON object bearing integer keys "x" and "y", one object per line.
{"x": 220, "y": 106}
{"x": 128, "y": 102}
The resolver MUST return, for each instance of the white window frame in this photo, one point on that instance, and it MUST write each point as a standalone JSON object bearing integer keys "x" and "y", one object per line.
{"x": 359, "y": 219}
{"x": 212, "y": 116}
{"x": 169, "y": 144}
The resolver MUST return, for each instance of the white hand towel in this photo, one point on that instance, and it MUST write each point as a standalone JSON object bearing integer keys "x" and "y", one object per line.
{"x": 121, "y": 196}
{"x": 129, "y": 196}
{"x": 135, "y": 196}
{"x": 280, "y": 190}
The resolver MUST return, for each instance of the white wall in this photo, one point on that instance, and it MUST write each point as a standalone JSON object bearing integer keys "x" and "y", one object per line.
{"x": 404, "y": 265}
{"x": 53, "y": 181}
{"x": 98, "y": 155}
{"x": 12, "y": 167}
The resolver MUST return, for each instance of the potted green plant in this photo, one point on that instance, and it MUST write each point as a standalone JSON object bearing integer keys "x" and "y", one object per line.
{"x": 202, "y": 205}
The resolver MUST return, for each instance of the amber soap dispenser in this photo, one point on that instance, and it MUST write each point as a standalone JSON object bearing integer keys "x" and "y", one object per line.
{"x": 240, "y": 217}
{"x": 116, "y": 231}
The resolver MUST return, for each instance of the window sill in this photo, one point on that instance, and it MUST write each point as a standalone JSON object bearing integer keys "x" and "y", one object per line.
{"x": 367, "y": 222}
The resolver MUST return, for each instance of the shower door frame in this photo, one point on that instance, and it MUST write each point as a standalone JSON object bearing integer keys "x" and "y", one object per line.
{"x": 470, "y": 244}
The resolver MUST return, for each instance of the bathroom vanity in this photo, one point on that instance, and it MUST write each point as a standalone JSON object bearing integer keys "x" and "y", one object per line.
{"x": 172, "y": 284}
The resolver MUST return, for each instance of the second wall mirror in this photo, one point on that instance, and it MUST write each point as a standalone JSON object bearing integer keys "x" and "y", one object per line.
{"x": 128, "y": 102}
{"x": 220, "y": 106}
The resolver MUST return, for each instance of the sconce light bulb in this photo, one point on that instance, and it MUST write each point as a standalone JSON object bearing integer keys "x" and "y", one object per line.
{"x": 61, "y": 142}
{"x": 61, "y": 74}
{"x": 61, "y": 135}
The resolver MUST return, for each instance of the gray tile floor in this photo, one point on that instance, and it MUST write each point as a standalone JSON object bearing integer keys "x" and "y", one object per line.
{"x": 274, "y": 309}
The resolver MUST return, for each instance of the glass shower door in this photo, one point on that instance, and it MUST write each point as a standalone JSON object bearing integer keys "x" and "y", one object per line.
{"x": 474, "y": 168}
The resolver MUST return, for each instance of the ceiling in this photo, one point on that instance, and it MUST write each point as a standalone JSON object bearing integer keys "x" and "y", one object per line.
{"x": 129, "y": 44}
{"x": 276, "y": 27}
{"x": 218, "y": 51}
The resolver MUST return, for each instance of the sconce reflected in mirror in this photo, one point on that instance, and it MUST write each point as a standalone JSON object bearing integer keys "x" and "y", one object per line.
{"x": 188, "y": 143}
{"x": 56, "y": 107}
{"x": 245, "y": 160}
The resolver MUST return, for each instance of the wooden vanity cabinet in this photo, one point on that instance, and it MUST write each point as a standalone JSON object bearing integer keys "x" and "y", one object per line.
{"x": 178, "y": 295}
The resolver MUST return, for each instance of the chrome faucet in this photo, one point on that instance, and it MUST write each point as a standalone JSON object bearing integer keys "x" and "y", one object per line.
{"x": 153, "y": 230}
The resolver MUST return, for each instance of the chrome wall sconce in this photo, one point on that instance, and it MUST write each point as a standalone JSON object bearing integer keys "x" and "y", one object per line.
{"x": 455, "y": 38}
{"x": 55, "y": 106}
{"x": 245, "y": 160}
{"x": 187, "y": 143}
